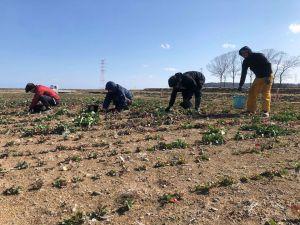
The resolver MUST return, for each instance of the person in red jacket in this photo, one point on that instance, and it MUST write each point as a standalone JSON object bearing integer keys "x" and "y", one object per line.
{"x": 44, "y": 97}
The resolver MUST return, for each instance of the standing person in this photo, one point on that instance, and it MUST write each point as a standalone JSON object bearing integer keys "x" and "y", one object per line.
{"x": 44, "y": 97}
{"x": 189, "y": 84}
{"x": 262, "y": 84}
{"x": 120, "y": 96}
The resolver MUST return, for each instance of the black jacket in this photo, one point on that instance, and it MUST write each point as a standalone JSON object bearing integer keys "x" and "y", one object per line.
{"x": 191, "y": 81}
{"x": 118, "y": 95}
{"x": 259, "y": 64}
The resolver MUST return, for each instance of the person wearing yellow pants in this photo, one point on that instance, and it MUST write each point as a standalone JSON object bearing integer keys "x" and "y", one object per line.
{"x": 262, "y": 84}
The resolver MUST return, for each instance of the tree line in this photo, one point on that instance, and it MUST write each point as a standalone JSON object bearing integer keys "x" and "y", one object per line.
{"x": 228, "y": 66}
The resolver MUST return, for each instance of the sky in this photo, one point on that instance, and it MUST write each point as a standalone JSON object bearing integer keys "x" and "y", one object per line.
{"x": 143, "y": 42}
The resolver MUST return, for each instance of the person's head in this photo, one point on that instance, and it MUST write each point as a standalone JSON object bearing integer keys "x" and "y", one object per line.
{"x": 110, "y": 86}
{"x": 30, "y": 87}
{"x": 245, "y": 52}
{"x": 174, "y": 80}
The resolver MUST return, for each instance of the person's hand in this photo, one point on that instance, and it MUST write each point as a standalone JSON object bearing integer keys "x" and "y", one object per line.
{"x": 168, "y": 109}
{"x": 267, "y": 80}
{"x": 240, "y": 88}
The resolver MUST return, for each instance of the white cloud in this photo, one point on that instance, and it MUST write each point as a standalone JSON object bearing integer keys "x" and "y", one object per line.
{"x": 165, "y": 46}
{"x": 145, "y": 65}
{"x": 295, "y": 28}
{"x": 170, "y": 69}
{"x": 228, "y": 45}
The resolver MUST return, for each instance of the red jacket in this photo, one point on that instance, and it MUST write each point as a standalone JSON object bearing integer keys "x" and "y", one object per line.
{"x": 43, "y": 90}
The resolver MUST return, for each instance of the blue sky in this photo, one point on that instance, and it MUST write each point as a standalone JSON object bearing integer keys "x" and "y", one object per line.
{"x": 143, "y": 41}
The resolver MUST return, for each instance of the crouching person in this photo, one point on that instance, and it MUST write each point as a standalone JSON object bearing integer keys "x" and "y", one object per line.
{"x": 189, "y": 84}
{"x": 120, "y": 96}
{"x": 44, "y": 98}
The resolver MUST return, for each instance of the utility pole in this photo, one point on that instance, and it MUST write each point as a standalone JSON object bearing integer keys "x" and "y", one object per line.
{"x": 102, "y": 73}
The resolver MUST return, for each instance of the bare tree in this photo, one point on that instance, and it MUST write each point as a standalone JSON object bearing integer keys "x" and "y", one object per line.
{"x": 276, "y": 58}
{"x": 287, "y": 64}
{"x": 234, "y": 65}
{"x": 218, "y": 67}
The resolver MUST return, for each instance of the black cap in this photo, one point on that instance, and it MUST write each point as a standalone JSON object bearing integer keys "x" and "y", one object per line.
{"x": 29, "y": 87}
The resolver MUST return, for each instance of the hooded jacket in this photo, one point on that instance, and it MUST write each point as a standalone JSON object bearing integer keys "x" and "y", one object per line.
{"x": 257, "y": 62}
{"x": 117, "y": 94}
{"x": 191, "y": 82}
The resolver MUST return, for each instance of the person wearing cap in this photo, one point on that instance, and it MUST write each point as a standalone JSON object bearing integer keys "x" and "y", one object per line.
{"x": 189, "y": 84}
{"x": 120, "y": 96}
{"x": 262, "y": 84}
{"x": 44, "y": 97}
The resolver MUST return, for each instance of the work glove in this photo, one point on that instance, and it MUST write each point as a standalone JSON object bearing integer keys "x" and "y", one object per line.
{"x": 240, "y": 88}
{"x": 168, "y": 109}
{"x": 267, "y": 80}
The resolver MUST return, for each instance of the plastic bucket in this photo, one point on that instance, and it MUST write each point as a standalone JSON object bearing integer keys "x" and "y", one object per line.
{"x": 239, "y": 101}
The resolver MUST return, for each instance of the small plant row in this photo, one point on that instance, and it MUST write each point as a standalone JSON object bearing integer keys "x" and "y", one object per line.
{"x": 179, "y": 144}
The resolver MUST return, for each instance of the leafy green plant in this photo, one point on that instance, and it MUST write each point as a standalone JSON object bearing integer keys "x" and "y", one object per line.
{"x": 286, "y": 116}
{"x": 225, "y": 181}
{"x": 170, "y": 198}
{"x": 126, "y": 202}
{"x": 99, "y": 213}
{"x": 22, "y": 165}
{"x": 86, "y": 119}
{"x": 202, "y": 189}
{"x": 168, "y": 146}
{"x": 76, "y": 219}
{"x": 14, "y": 190}
{"x": 59, "y": 183}
{"x": 214, "y": 136}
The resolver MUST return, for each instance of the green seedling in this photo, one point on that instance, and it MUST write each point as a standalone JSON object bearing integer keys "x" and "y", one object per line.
{"x": 126, "y": 202}
{"x": 22, "y": 165}
{"x": 170, "y": 198}
{"x": 99, "y": 213}
{"x": 225, "y": 182}
{"x": 14, "y": 190}
{"x": 214, "y": 136}
{"x": 86, "y": 119}
{"x": 112, "y": 173}
{"x": 202, "y": 189}
{"x": 76, "y": 179}
{"x": 59, "y": 183}
{"x": 141, "y": 168}
{"x": 76, "y": 219}
{"x": 37, "y": 185}
{"x": 286, "y": 116}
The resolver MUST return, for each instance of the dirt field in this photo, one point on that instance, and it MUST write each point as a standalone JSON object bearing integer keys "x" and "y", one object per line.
{"x": 145, "y": 166}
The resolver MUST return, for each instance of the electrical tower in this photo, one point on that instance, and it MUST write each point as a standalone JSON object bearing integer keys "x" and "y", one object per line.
{"x": 102, "y": 73}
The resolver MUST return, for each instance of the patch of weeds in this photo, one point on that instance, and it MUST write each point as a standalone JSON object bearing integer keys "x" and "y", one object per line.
{"x": 9, "y": 144}
{"x": 274, "y": 173}
{"x": 168, "y": 146}
{"x": 59, "y": 183}
{"x": 152, "y": 137}
{"x": 95, "y": 177}
{"x": 141, "y": 168}
{"x": 170, "y": 198}
{"x": 225, "y": 182}
{"x": 14, "y": 190}
{"x": 202, "y": 157}
{"x": 160, "y": 164}
{"x": 202, "y": 189}
{"x": 99, "y": 213}
{"x": 271, "y": 222}
{"x": 178, "y": 160}
{"x": 76, "y": 219}
{"x": 126, "y": 202}
{"x": 76, "y": 179}
{"x": 262, "y": 130}
{"x": 61, "y": 147}
{"x": 22, "y": 165}
{"x": 286, "y": 116}
{"x": 37, "y": 185}
{"x": 112, "y": 173}
{"x": 244, "y": 180}
{"x": 92, "y": 155}
{"x": 214, "y": 136}
{"x": 86, "y": 119}
{"x": 240, "y": 136}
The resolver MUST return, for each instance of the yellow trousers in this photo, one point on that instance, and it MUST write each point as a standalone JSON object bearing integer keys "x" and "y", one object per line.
{"x": 260, "y": 86}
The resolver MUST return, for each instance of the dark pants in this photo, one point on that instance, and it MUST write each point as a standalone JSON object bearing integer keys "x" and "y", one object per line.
{"x": 187, "y": 96}
{"x": 44, "y": 103}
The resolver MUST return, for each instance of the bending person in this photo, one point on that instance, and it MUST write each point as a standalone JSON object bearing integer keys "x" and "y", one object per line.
{"x": 120, "y": 96}
{"x": 262, "y": 84}
{"x": 44, "y": 97}
{"x": 189, "y": 84}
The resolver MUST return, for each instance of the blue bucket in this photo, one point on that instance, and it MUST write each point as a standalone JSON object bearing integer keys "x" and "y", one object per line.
{"x": 239, "y": 101}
